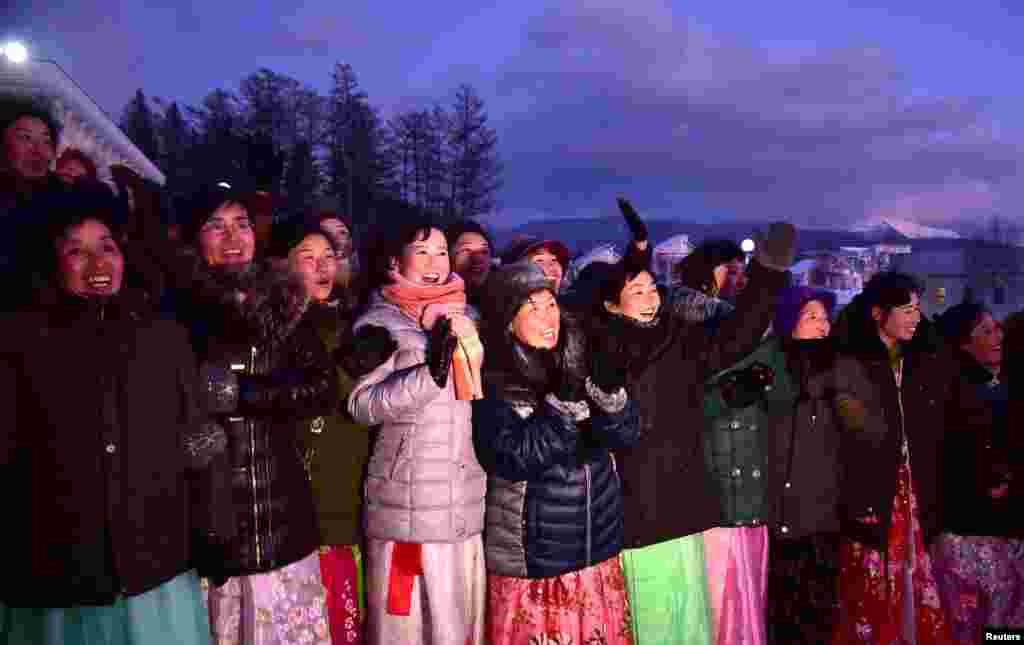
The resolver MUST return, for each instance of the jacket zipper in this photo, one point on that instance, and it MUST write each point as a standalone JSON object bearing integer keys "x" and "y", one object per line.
{"x": 252, "y": 472}
{"x": 586, "y": 471}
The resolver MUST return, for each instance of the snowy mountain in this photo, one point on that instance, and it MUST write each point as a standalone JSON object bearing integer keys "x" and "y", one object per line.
{"x": 886, "y": 227}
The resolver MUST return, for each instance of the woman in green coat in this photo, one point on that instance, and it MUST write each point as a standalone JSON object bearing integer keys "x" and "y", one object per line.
{"x": 335, "y": 448}
{"x": 772, "y": 446}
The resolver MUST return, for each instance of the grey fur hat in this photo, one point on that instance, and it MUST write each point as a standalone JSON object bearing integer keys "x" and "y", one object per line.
{"x": 507, "y": 288}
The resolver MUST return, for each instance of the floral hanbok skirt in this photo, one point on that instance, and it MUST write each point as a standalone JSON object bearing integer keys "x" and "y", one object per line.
{"x": 896, "y": 604}
{"x": 341, "y": 570}
{"x": 586, "y": 607}
{"x": 284, "y": 606}
{"x": 981, "y": 581}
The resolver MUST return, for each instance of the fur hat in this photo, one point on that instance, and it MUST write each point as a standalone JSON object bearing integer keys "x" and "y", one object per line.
{"x": 507, "y": 288}
{"x": 792, "y": 302}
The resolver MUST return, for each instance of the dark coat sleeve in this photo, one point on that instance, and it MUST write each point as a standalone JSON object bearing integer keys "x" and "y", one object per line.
{"x": 517, "y": 448}
{"x": 740, "y": 333}
{"x": 208, "y": 467}
{"x": 9, "y": 405}
{"x": 308, "y": 386}
{"x": 616, "y": 431}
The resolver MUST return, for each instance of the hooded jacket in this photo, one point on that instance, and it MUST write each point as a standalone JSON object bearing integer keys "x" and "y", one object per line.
{"x": 554, "y": 497}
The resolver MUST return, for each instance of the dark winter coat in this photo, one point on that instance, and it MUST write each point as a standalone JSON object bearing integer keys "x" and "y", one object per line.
{"x": 554, "y": 498}
{"x": 933, "y": 402}
{"x": 776, "y": 460}
{"x": 23, "y": 224}
{"x": 103, "y": 453}
{"x": 286, "y": 377}
{"x": 979, "y": 461}
{"x": 338, "y": 448}
{"x": 670, "y": 361}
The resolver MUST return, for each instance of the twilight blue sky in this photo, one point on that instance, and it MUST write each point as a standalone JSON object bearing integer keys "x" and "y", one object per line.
{"x": 822, "y": 112}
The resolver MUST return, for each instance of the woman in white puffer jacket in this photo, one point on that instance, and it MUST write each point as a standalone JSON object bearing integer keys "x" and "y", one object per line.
{"x": 424, "y": 489}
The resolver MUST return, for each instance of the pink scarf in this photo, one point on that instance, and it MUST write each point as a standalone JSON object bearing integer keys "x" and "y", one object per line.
{"x": 415, "y": 299}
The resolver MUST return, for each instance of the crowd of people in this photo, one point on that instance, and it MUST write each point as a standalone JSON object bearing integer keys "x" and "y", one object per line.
{"x": 259, "y": 435}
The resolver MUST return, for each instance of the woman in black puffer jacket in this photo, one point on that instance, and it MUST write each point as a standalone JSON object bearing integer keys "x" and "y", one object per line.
{"x": 267, "y": 372}
{"x": 544, "y": 433}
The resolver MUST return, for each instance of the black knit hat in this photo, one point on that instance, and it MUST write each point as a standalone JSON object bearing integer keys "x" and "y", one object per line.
{"x": 508, "y": 288}
{"x": 203, "y": 203}
{"x": 287, "y": 235}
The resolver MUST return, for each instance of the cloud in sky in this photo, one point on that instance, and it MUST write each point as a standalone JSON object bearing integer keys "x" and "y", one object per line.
{"x": 647, "y": 98}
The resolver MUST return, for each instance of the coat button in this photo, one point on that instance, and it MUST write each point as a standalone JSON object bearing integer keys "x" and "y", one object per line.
{"x": 111, "y": 448}
{"x": 736, "y": 472}
{"x": 756, "y": 474}
{"x": 317, "y": 426}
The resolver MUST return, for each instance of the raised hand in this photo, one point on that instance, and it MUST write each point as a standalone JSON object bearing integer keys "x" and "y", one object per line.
{"x": 636, "y": 225}
{"x": 776, "y": 249}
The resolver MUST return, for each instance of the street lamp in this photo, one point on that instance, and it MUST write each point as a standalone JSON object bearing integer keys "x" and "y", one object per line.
{"x": 15, "y": 52}
{"x": 747, "y": 245}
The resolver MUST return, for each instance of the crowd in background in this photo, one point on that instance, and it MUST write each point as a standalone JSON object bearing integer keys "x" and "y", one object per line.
{"x": 266, "y": 433}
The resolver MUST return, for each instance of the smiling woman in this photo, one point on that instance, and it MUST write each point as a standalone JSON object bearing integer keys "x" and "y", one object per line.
{"x": 425, "y": 575}
{"x": 71, "y": 435}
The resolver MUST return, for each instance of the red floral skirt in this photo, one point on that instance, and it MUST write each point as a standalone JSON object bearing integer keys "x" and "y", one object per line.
{"x": 900, "y": 604}
{"x": 587, "y": 607}
{"x": 340, "y": 570}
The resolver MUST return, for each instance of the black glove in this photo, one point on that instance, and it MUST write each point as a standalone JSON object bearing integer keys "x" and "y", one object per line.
{"x": 209, "y": 553}
{"x": 743, "y": 387}
{"x": 776, "y": 249}
{"x": 370, "y": 348}
{"x": 219, "y": 388}
{"x": 440, "y": 350}
{"x": 608, "y": 371}
{"x": 636, "y": 225}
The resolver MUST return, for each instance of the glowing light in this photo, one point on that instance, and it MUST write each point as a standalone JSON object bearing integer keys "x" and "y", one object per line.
{"x": 224, "y": 184}
{"x": 15, "y": 52}
{"x": 747, "y": 245}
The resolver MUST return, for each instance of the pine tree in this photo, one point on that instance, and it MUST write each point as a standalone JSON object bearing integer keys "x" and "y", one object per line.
{"x": 177, "y": 138}
{"x": 139, "y": 124}
{"x": 475, "y": 175}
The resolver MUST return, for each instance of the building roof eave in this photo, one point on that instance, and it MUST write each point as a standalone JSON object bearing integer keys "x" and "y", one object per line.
{"x": 48, "y": 79}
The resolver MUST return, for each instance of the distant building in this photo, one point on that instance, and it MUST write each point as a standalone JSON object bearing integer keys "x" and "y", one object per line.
{"x": 982, "y": 272}
{"x": 85, "y": 125}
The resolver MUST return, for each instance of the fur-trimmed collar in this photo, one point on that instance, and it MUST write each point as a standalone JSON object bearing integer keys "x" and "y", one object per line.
{"x": 518, "y": 373}
{"x": 260, "y": 301}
